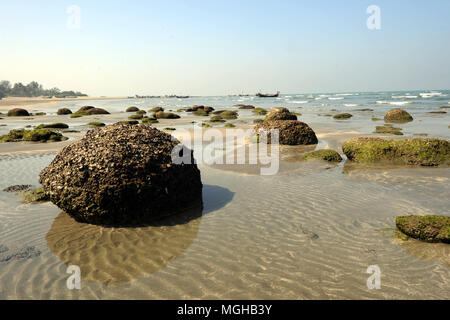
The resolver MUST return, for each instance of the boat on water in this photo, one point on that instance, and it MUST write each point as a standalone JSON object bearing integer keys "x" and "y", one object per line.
{"x": 268, "y": 95}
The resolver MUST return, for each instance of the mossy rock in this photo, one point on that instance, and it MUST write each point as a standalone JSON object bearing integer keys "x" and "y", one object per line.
{"x": 18, "y": 112}
{"x": 229, "y": 115}
{"x": 257, "y": 121}
{"x": 323, "y": 154}
{"x": 280, "y": 114}
{"x": 245, "y": 106}
{"x": 437, "y": 112}
{"x": 141, "y": 112}
{"x": 130, "y": 122}
{"x": 136, "y": 117}
{"x": 132, "y": 109}
{"x": 444, "y": 107}
{"x": 38, "y": 114}
{"x": 170, "y": 129}
{"x": 201, "y": 112}
{"x": 229, "y": 125}
{"x": 416, "y": 151}
{"x": 35, "y": 196}
{"x": 96, "y": 124}
{"x": 18, "y": 188}
{"x": 376, "y": 119}
{"x": 217, "y": 119}
{"x": 166, "y": 115}
{"x": 205, "y": 125}
{"x": 63, "y": 111}
{"x": 37, "y": 135}
{"x": 431, "y": 228}
{"x": 397, "y": 116}
{"x": 260, "y": 111}
{"x": 204, "y": 108}
{"x": 57, "y": 125}
{"x": 88, "y": 111}
{"x": 388, "y": 130}
{"x": 342, "y": 116}
{"x": 156, "y": 109}
{"x": 148, "y": 120}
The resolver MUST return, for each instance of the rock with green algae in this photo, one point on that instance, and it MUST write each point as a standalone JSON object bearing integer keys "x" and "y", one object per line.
{"x": 129, "y": 122}
{"x": 342, "y": 116}
{"x": 96, "y": 124}
{"x": 136, "y": 117}
{"x": 280, "y": 114}
{"x": 156, "y": 109}
{"x": 217, "y": 119}
{"x": 416, "y": 151}
{"x": 290, "y": 132}
{"x": 260, "y": 111}
{"x": 431, "y": 228}
{"x": 165, "y": 115}
{"x": 35, "y": 196}
{"x": 323, "y": 154}
{"x": 57, "y": 125}
{"x": 388, "y": 129}
{"x": 123, "y": 175}
{"x": 229, "y": 125}
{"x": 132, "y": 109}
{"x": 397, "y": 116}
{"x": 63, "y": 111}
{"x": 37, "y": 135}
{"x": 88, "y": 111}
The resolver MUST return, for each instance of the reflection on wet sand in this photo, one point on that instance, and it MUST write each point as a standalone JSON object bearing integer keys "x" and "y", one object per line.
{"x": 117, "y": 255}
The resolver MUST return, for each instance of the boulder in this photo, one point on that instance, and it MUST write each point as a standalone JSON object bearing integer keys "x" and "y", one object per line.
{"x": 18, "y": 112}
{"x": 342, "y": 116}
{"x": 63, "y": 111}
{"x": 166, "y": 115}
{"x": 397, "y": 116}
{"x": 291, "y": 132}
{"x": 426, "y": 228}
{"x": 122, "y": 175}
{"x": 323, "y": 154}
{"x": 245, "y": 106}
{"x": 416, "y": 151}
{"x": 280, "y": 114}
{"x": 156, "y": 109}
{"x": 132, "y": 109}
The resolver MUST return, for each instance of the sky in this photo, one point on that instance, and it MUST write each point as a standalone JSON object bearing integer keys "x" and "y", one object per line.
{"x": 215, "y": 47}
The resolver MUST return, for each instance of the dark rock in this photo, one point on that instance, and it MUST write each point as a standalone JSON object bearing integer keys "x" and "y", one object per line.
{"x": 342, "y": 116}
{"x": 22, "y": 254}
{"x": 426, "y": 228}
{"x": 35, "y": 196}
{"x": 63, "y": 111}
{"x": 291, "y": 132}
{"x": 323, "y": 154}
{"x": 18, "y": 188}
{"x": 18, "y": 112}
{"x": 132, "y": 109}
{"x": 397, "y": 116}
{"x": 122, "y": 175}
{"x": 280, "y": 114}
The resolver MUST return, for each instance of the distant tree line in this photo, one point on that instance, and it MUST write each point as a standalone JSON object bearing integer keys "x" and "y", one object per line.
{"x": 33, "y": 89}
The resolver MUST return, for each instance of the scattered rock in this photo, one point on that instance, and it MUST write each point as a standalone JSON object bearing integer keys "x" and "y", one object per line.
{"x": 166, "y": 115}
{"x": 147, "y": 120}
{"x": 18, "y": 188}
{"x": 397, "y": 116}
{"x": 426, "y": 228}
{"x": 18, "y": 112}
{"x": 88, "y": 111}
{"x": 22, "y": 254}
{"x": 376, "y": 119}
{"x": 323, "y": 154}
{"x": 136, "y": 117}
{"x": 35, "y": 196}
{"x": 129, "y": 122}
{"x": 257, "y": 121}
{"x": 260, "y": 111}
{"x": 63, "y": 111}
{"x": 57, "y": 125}
{"x": 388, "y": 129}
{"x": 417, "y": 151}
{"x": 132, "y": 109}
{"x": 217, "y": 119}
{"x": 96, "y": 124}
{"x": 342, "y": 116}
{"x": 437, "y": 112}
{"x": 229, "y": 125}
{"x": 156, "y": 109}
{"x": 291, "y": 132}
{"x": 122, "y": 175}
{"x": 37, "y": 135}
{"x": 280, "y": 114}
{"x": 245, "y": 106}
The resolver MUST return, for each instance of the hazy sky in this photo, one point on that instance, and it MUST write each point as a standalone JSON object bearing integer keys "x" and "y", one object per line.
{"x": 226, "y": 47}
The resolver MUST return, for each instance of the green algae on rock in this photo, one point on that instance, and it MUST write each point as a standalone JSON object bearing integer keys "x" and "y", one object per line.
{"x": 35, "y": 196}
{"x": 96, "y": 124}
{"x": 323, "y": 154}
{"x": 123, "y": 175}
{"x": 388, "y": 129}
{"x": 397, "y": 116}
{"x": 57, "y": 125}
{"x": 342, "y": 116}
{"x": 132, "y": 109}
{"x": 291, "y": 132}
{"x": 416, "y": 151}
{"x": 166, "y": 115}
{"x": 260, "y": 111}
{"x": 430, "y": 228}
{"x": 88, "y": 111}
{"x": 229, "y": 125}
{"x": 129, "y": 122}
{"x": 37, "y": 135}
{"x": 136, "y": 117}
{"x": 156, "y": 109}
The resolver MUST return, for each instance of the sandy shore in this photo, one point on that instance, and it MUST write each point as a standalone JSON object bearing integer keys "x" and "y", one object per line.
{"x": 14, "y": 102}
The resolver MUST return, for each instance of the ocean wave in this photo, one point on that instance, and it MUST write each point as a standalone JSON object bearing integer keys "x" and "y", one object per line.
{"x": 299, "y": 102}
{"x": 430, "y": 94}
{"x": 395, "y": 103}
{"x": 405, "y": 97}
{"x": 346, "y": 94}
{"x": 351, "y": 104}
{"x": 338, "y": 98}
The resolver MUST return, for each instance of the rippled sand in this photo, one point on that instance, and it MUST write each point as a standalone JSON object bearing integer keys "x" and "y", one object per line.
{"x": 308, "y": 234}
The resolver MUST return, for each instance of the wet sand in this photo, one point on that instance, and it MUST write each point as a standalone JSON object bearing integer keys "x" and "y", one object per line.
{"x": 309, "y": 232}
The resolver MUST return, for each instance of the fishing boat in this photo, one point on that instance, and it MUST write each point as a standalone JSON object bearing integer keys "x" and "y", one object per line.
{"x": 268, "y": 95}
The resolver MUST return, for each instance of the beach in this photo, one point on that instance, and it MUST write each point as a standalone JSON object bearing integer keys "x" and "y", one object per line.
{"x": 310, "y": 231}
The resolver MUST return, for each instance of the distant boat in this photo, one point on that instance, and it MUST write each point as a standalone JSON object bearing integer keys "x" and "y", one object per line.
{"x": 268, "y": 95}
